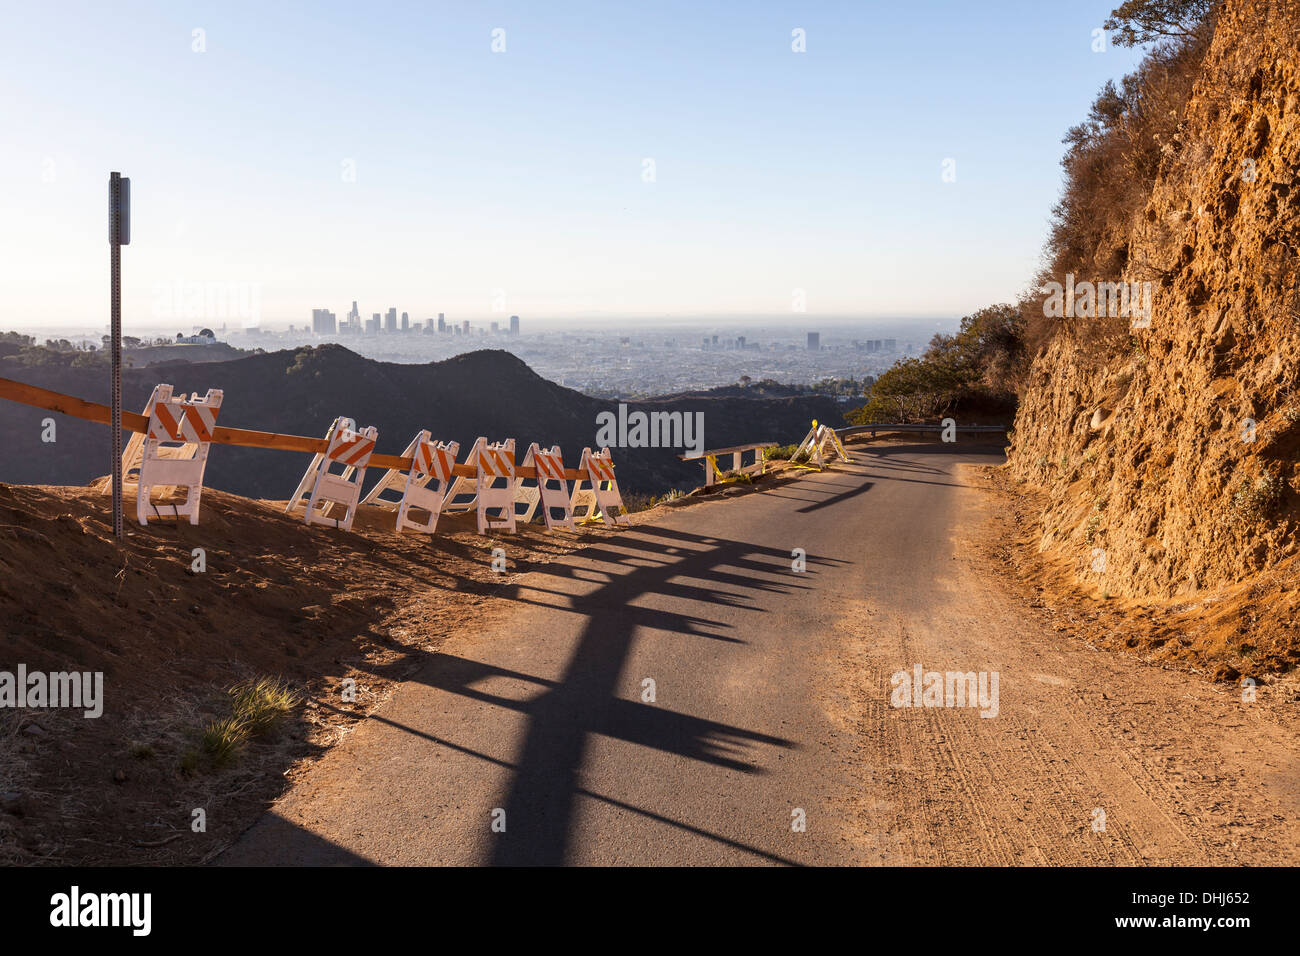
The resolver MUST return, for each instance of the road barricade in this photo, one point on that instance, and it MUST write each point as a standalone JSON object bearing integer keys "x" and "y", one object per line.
{"x": 550, "y": 492}
{"x": 495, "y": 483}
{"x": 602, "y": 498}
{"x": 172, "y": 453}
{"x": 422, "y": 487}
{"x": 328, "y": 491}
{"x": 820, "y": 443}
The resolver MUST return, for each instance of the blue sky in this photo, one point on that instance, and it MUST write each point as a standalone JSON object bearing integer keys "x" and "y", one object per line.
{"x": 516, "y": 179}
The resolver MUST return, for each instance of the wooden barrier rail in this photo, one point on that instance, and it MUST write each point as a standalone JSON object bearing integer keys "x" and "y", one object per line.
{"x": 52, "y": 401}
{"x": 710, "y": 458}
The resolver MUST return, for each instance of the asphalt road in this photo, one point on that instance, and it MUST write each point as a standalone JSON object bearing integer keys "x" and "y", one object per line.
{"x": 769, "y": 736}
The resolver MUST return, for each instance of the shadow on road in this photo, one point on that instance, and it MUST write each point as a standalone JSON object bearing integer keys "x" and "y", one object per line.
{"x": 585, "y": 700}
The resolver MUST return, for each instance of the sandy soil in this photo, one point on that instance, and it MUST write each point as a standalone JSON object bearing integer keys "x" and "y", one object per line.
{"x": 1184, "y": 771}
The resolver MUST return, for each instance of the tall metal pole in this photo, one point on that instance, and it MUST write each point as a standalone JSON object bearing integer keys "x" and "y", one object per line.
{"x": 115, "y": 294}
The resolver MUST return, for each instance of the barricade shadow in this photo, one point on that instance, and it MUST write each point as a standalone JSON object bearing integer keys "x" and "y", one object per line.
{"x": 565, "y": 713}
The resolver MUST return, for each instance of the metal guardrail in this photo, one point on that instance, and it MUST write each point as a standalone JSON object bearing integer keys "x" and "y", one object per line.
{"x": 875, "y": 427}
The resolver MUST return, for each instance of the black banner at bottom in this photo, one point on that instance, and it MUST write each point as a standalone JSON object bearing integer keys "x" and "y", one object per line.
{"x": 364, "y": 906}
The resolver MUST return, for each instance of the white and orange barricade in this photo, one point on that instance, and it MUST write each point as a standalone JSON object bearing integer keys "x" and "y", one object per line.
{"x": 349, "y": 449}
{"x": 495, "y": 484}
{"x": 430, "y": 462}
{"x": 133, "y": 454}
{"x": 173, "y": 452}
{"x": 602, "y": 498}
{"x": 550, "y": 492}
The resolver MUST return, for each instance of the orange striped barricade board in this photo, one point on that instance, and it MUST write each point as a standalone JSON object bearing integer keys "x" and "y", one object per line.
{"x": 133, "y": 454}
{"x": 495, "y": 484}
{"x": 348, "y": 450}
{"x": 432, "y": 462}
{"x": 602, "y": 498}
{"x": 550, "y": 490}
{"x": 174, "y": 452}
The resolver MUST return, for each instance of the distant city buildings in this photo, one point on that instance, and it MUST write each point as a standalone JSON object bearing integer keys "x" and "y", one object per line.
{"x": 711, "y": 343}
{"x": 323, "y": 322}
{"x": 610, "y": 361}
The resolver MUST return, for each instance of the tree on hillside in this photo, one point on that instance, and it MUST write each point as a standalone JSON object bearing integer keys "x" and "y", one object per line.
{"x": 980, "y": 365}
{"x": 986, "y": 351}
{"x": 912, "y": 390}
{"x": 1136, "y": 22}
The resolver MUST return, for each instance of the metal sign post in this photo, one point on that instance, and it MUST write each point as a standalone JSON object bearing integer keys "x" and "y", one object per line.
{"x": 119, "y": 234}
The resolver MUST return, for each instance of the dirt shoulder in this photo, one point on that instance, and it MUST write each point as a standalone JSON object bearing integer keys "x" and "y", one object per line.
{"x": 1226, "y": 633}
{"x": 1100, "y": 753}
{"x": 311, "y": 605}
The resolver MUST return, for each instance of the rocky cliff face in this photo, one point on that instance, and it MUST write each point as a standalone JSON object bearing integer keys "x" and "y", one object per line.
{"x": 1170, "y": 452}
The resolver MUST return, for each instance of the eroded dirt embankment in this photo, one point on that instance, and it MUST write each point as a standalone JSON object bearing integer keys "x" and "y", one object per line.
{"x": 1168, "y": 455}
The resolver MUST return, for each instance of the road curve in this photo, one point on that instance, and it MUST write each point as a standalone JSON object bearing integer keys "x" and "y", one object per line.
{"x": 680, "y": 694}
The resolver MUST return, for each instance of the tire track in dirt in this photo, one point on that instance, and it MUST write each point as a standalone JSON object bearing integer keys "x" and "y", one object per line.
{"x": 1182, "y": 774}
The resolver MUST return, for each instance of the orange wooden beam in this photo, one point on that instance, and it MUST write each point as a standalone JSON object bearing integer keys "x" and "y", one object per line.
{"x": 52, "y": 401}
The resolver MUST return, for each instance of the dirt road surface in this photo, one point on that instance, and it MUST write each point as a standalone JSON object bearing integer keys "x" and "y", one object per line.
{"x": 767, "y": 735}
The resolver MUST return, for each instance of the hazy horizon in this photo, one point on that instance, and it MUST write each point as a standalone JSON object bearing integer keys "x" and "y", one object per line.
{"x": 592, "y": 322}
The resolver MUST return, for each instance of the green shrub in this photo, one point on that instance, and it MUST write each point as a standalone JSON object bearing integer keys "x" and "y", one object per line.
{"x": 780, "y": 452}
{"x": 255, "y": 706}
